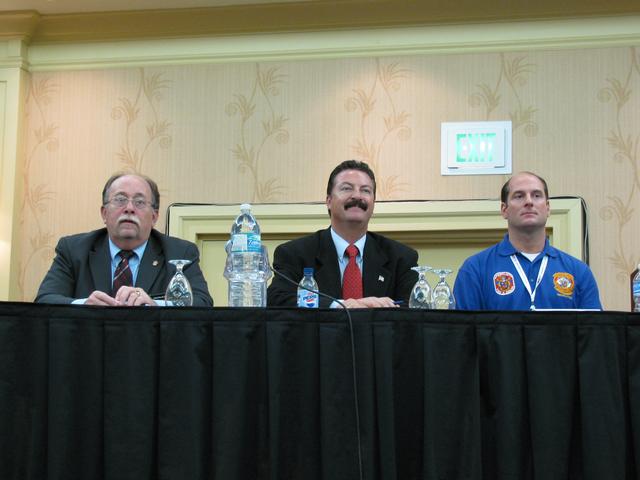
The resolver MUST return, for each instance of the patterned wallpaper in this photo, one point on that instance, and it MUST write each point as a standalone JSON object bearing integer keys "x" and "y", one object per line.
{"x": 252, "y": 109}
{"x": 271, "y": 132}
{"x": 623, "y": 138}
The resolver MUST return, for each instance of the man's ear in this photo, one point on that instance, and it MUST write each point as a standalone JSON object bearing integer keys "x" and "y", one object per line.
{"x": 503, "y": 210}
{"x": 103, "y": 214}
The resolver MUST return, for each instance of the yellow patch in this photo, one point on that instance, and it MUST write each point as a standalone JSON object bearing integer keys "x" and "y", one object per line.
{"x": 564, "y": 283}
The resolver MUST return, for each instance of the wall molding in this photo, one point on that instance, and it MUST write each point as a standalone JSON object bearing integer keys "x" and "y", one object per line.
{"x": 13, "y": 53}
{"x": 306, "y": 16}
{"x": 427, "y": 226}
{"x": 443, "y": 39}
{"x": 11, "y": 119}
{"x": 21, "y": 25}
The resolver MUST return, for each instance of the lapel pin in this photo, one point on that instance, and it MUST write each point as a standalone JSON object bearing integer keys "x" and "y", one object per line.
{"x": 380, "y": 278}
{"x": 155, "y": 263}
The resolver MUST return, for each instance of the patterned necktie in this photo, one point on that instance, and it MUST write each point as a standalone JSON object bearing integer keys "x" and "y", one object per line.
{"x": 352, "y": 278}
{"x": 122, "y": 276}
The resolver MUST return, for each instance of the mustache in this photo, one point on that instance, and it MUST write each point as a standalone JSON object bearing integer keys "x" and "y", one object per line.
{"x": 129, "y": 218}
{"x": 356, "y": 202}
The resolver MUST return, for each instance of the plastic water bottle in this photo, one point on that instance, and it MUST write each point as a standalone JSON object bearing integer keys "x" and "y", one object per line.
{"x": 307, "y": 299}
{"x": 635, "y": 290}
{"x": 247, "y": 267}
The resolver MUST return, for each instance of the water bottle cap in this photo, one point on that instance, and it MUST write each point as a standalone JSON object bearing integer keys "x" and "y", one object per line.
{"x": 308, "y": 271}
{"x": 245, "y": 206}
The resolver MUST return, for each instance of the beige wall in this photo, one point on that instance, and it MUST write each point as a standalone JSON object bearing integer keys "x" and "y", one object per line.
{"x": 264, "y": 131}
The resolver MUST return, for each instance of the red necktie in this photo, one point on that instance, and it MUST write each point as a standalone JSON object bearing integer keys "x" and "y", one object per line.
{"x": 352, "y": 278}
{"x": 122, "y": 275}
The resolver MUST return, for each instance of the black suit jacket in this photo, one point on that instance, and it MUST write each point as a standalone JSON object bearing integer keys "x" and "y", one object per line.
{"x": 386, "y": 268}
{"x": 83, "y": 264}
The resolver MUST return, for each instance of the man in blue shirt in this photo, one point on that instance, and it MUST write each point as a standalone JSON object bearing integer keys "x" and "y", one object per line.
{"x": 524, "y": 272}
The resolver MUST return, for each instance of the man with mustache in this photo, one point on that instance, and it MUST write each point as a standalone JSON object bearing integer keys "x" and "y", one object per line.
{"x": 524, "y": 272}
{"x": 364, "y": 269}
{"x": 126, "y": 263}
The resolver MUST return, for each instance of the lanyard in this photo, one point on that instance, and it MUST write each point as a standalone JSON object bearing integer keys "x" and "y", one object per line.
{"x": 525, "y": 280}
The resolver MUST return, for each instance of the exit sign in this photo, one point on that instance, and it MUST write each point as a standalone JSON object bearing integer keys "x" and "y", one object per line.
{"x": 476, "y": 148}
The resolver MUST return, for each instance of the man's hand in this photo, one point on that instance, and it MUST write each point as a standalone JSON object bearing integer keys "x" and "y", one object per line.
{"x": 370, "y": 302}
{"x": 133, "y": 296}
{"x": 125, "y": 297}
{"x": 102, "y": 299}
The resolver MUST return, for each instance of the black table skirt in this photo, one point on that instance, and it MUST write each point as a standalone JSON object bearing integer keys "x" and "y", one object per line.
{"x": 185, "y": 394}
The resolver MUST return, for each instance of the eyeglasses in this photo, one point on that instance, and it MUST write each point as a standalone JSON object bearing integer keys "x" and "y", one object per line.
{"x": 120, "y": 201}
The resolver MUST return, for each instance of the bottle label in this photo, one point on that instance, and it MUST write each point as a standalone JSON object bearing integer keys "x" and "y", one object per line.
{"x": 307, "y": 299}
{"x": 246, "y": 242}
{"x": 636, "y": 289}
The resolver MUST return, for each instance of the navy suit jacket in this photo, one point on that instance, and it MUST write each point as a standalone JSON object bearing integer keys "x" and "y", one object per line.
{"x": 386, "y": 268}
{"x": 83, "y": 264}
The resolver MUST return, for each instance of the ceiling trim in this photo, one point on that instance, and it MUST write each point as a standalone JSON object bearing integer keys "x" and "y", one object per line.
{"x": 303, "y": 16}
{"x": 18, "y": 25}
{"x": 513, "y": 36}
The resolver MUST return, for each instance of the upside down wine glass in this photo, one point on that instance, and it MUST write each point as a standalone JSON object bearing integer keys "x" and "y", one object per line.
{"x": 421, "y": 291}
{"x": 443, "y": 298}
{"x": 178, "y": 291}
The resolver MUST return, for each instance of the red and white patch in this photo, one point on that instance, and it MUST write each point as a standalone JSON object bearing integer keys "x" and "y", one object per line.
{"x": 504, "y": 283}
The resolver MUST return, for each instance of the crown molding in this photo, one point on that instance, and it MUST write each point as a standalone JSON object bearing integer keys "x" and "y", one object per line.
{"x": 300, "y": 16}
{"x": 491, "y": 37}
{"x": 18, "y": 25}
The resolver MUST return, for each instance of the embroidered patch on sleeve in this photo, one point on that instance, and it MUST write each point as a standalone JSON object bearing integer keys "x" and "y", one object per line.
{"x": 504, "y": 283}
{"x": 564, "y": 283}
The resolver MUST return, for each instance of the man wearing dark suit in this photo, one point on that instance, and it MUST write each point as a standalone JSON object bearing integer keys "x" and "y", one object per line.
{"x": 85, "y": 264}
{"x": 384, "y": 265}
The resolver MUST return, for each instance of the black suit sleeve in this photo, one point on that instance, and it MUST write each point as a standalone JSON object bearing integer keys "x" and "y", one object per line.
{"x": 58, "y": 285}
{"x": 282, "y": 293}
{"x": 201, "y": 297}
{"x": 406, "y": 277}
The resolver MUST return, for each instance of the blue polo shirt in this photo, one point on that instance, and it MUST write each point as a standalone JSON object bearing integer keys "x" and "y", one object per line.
{"x": 489, "y": 280}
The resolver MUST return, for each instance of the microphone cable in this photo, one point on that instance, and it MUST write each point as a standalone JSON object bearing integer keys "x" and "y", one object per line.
{"x": 353, "y": 359}
{"x": 585, "y": 224}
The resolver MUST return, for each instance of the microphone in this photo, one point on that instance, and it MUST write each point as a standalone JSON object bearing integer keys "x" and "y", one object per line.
{"x": 353, "y": 358}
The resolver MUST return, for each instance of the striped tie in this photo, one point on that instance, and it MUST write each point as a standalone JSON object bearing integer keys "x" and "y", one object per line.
{"x": 122, "y": 276}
